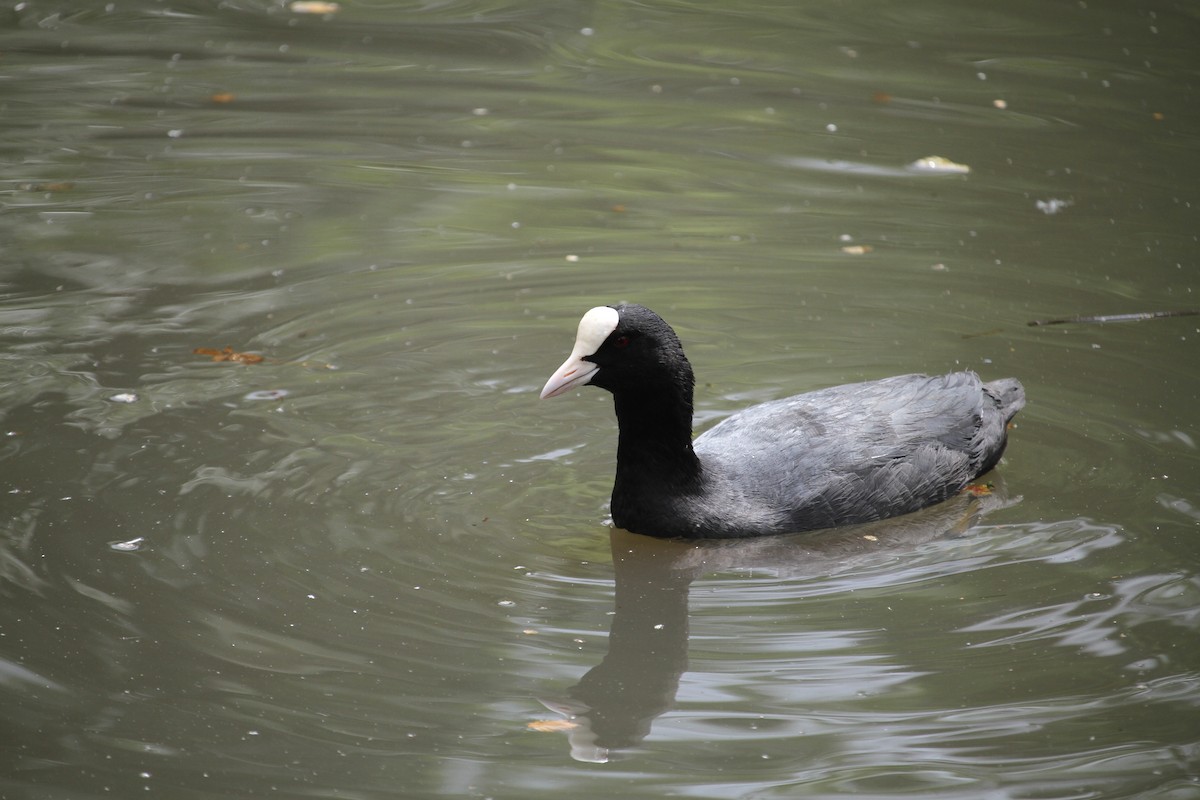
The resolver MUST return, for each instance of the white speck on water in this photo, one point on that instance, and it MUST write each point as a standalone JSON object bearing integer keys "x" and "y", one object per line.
{"x": 506, "y": 603}
{"x": 124, "y": 397}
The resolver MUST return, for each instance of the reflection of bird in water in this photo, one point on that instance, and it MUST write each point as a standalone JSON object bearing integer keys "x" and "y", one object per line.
{"x": 614, "y": 704}
{"x": 838, "y": 456}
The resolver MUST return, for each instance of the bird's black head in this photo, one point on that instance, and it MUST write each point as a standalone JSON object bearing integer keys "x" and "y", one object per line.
{"x": 627, "y": 349}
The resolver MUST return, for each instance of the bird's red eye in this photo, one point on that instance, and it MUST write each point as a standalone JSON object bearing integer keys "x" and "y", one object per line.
{"x": 620, "y": 341}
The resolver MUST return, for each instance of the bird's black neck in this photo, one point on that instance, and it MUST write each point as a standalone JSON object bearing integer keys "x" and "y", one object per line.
{"x": 655, "y": 440}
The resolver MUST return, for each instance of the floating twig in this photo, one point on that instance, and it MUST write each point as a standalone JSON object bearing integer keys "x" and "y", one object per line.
{"x": 1103, "y": 318}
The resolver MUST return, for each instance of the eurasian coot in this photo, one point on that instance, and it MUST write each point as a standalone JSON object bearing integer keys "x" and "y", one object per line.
{"x": 836, "y": 456}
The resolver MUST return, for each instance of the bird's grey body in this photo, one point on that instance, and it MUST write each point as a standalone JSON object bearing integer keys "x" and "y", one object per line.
{"x": 837, "y": 456}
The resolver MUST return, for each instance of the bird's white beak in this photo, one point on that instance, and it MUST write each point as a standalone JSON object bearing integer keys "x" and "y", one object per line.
{"x": 574, "y": 372}
{"x": 594, "y": 328}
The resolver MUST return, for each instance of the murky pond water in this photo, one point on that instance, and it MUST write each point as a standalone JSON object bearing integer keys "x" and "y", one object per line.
{"x": 374, "y": 565}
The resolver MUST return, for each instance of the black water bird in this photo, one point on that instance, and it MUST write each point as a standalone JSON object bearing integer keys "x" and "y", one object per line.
{"x": 837, "y": 456}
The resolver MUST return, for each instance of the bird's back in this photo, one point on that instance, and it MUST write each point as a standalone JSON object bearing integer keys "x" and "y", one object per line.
{"x": 857, "y": 452}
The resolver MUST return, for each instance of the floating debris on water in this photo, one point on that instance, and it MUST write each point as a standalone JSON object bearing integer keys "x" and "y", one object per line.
{"x": 267, "y": 394}
{"x": 129, "y": 546}
{"x": 124, "y": 397}
{"x": 314, "y": 7}
{"x": 58, "y": 186}
{"x": 228, "y": 354}
{"x": 938, "y": 165}
{"x": 1105, "y": 318}
{"x": 1053, "y": 205}
{"x": 551, "y": 725}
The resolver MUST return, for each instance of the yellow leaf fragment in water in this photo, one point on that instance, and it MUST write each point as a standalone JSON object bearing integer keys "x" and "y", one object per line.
{"x": 228, "y": 354}
{"x": 314, "y": 7}
{"x": 552, "y": 725}
{"x": 57, "y": 186}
